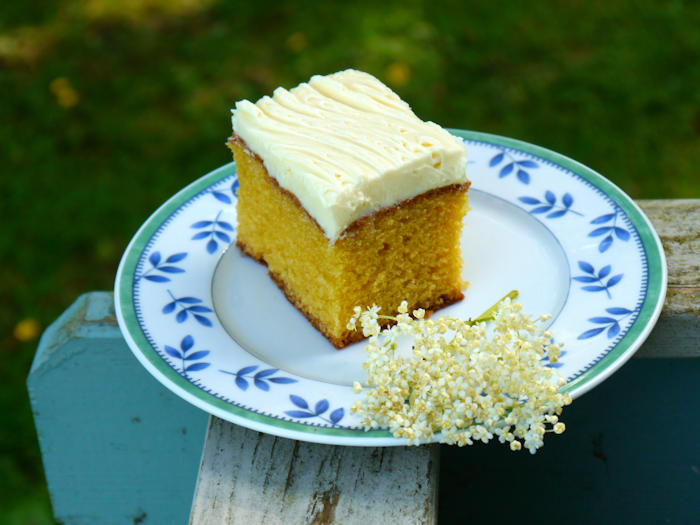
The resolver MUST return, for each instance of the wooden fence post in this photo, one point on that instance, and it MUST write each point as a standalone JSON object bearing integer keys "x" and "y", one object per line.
{"x": 117, "y": 447}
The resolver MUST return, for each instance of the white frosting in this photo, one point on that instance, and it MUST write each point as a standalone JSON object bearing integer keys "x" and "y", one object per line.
{"x": 346, "y": 146}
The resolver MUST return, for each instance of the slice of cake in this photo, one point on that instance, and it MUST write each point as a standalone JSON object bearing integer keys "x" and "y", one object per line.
{"x": 349, "y": 199}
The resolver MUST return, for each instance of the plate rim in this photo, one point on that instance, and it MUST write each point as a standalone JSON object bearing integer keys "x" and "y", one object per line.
{"x": 656, "y": 291}
{"x": 601, "y": 370}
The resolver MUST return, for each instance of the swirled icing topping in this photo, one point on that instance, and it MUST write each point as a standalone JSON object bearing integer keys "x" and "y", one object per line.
{"x": 346, "y": 146}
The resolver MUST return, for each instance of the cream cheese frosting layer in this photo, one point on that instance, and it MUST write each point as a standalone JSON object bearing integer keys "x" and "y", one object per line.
{"x": 346, "y": 146}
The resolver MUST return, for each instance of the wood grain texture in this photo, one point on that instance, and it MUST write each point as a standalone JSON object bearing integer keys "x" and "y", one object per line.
{"x": 251, "y": 478}
{"x": 677, "y": 333}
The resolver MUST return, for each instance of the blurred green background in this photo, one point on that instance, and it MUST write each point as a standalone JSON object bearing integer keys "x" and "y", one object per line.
{"x": 109, "y": 107}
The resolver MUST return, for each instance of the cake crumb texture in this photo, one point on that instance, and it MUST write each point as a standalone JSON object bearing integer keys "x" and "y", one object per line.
{"x": 410, "y": 251}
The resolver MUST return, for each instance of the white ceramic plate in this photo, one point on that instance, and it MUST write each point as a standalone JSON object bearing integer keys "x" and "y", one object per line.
{"x": 211, "y": 326}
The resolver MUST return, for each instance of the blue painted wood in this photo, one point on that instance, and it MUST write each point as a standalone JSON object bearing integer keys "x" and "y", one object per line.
{"x": 117, "y": 447}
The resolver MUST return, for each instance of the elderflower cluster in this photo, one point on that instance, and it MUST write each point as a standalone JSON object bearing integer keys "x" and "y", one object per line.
{"x": 467, "y": 380}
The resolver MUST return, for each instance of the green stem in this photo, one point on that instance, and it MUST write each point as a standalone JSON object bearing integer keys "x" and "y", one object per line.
{"x": 488, "y": 315}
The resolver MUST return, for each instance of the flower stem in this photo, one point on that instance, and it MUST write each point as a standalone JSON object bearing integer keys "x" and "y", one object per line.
{"x": 488, "y": 314}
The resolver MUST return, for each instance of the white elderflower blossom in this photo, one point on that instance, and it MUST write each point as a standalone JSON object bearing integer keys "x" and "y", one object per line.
{"x": 466, "y": 380}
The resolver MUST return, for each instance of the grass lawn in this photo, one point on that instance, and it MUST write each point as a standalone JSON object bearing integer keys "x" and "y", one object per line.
{"x": 109, "y": 107}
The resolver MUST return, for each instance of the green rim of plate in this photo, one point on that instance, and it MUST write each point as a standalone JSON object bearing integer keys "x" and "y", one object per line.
{"x": 647, "y": 316}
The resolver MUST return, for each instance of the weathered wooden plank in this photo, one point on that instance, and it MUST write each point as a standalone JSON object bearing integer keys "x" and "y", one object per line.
{"x": 678, "y": 224}
{"x": 251, "y": 478}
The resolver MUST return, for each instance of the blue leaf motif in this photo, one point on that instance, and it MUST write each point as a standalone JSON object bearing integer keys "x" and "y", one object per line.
{"x": 337, "y": 415}
{"x": 621, "y": 234}
{"x": 196, "y": 367}
{"x": 506, "y": 170}
{"x": 157, "y": 278}
{"x": 265, "y": 373}
{"x": 282, "y": 380}
{"x": 614, "y": 280}
{"x": 608, "y": 231}
{"x": 549, "y": 205}
{"x": 616, "y": 310}
{"x": 605, "y": 244}
{"x": 585, "y": 279}
{"x": 568, "y": 200}
{"x": 528, "y": 163}
{"x": 600, "y": 231}
{"x": 222, "y": 197}
{"x": 299, "y": 401}
{"x": 496, "y": 160}
{"x": 155, "y": 259}
{"x": 187, "y": 360}
{"x": 612, "y": 326}
{"x": 172, "y": 352}
{"x": 204, "y": 321}
{"x": 299, "y": 414}
{"x": 593, "y": 288}
{"x": 604, "y": 271}
{"x": 187, "y": 343}
{"x": 198, "y": 308}
{"x": 557, "y": 214}
{"x": 197, "y": 355}
{"x": 603, "y": 218}
{"x": 523, "y": 176}
{"x": 529, "y": 200}
{"x": 188, "y": 305}
{"x": 171, "y": 269}
{"x": 321, "y": 407}
{"x": 262, "y": 385}
{"x": 261, "y": 379}
{"x": 215, "y": 229}
{"x": 591, "y": 333}
{"x": 246, "y": 370}
{"x": 176, "y": 257}
{"x": 223, "y": 237}
{"x": 586, "y": 267}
